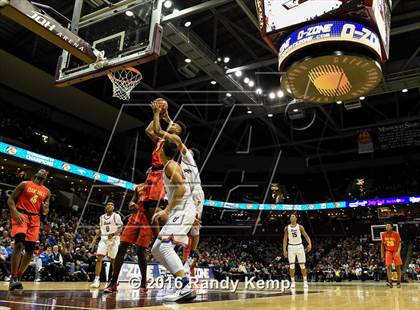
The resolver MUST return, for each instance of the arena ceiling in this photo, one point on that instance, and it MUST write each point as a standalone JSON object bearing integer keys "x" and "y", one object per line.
{"x": 227, "y": 28}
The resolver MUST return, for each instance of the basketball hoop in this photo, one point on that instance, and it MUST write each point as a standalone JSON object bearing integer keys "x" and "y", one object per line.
{"x": 124, "y": 81}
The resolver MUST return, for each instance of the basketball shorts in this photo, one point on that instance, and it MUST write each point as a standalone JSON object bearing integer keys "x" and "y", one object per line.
{"x": 392, "y": 257}
{"x": 199, "y": 201}
{"x": 137, "y": 231}
{"x": 179, "y": 224}
{"x": 296, "y": 254}
{"x": 153, "y": 188}
{"x": 108, "y": 247}
{"x": 29, "y": 227}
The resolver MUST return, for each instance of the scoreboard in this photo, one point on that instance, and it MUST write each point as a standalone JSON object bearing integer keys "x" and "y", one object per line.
{"x": 309, "y": 35}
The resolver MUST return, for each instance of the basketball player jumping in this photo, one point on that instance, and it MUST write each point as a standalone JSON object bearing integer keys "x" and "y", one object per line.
{"x": 192, "y": 178}
{"x": 147, "y": 197}
{"x": 110, "y": 227}
{"x": 26, "y": 203}
{"x": 181, "y": 213}
{"x": 390, "y": 251}
{"x": 293, "y": 248}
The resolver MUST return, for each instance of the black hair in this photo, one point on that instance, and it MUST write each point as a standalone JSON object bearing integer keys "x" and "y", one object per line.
{"x": 110, "y": 201}
{"x": 183, "y": 128}
{"x": 196, "y": 153}
{"x": 170, "y": 149}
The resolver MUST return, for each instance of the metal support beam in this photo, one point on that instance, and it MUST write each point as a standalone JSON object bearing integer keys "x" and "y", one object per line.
{"x": 230, "y": 29}
{"x": 249, "y": 35}
{"x": 248, "y": 13}
{"x": 185, "y": 83}
{"x": 405, "y": 28}
{"x": 254, "y": 65}
{"x": 77, "y": 11}
{"x": 207, "y": 5}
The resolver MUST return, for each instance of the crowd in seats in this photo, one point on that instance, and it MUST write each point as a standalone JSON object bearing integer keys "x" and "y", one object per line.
{"x": 43, "y": 135}
{"x": 413, "y": 268}
{"x": 331, "y": 259}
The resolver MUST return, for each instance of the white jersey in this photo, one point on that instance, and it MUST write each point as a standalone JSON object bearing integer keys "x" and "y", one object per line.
{"x": 191, "y": 173}
{"x": 294, "y": 234}
{"x": 170, "y": 189}
{"x": 110, "y": 224}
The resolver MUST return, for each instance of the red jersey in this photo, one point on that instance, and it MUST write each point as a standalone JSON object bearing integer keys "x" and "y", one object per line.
{"x": 391, "y": 241}
{"x": 156, "y": 161}
{"x": 154, "y": 189}
{"x": 32, "y": 197}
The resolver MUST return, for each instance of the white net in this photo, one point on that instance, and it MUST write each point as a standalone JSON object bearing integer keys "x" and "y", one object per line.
{"x": 124, "y": 81}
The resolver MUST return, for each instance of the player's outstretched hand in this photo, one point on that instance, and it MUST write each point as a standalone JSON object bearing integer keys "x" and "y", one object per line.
{"x": 18, "y": 217}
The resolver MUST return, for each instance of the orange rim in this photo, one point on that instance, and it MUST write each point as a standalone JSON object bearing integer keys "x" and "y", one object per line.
{"x": 134, "y": 70}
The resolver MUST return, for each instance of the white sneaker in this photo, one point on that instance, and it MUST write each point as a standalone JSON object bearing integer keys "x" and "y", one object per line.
{"x": 95, "y": 284}
{"x": 185, "y": 293}
{"x": 37, "y": 280}
{"x": 305, "y": 285}
{"x": 6, "y": 279}
{"x": 292, "y": 286}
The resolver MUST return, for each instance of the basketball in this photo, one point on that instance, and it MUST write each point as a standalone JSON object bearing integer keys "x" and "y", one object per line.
{"x": 163, "y": 104}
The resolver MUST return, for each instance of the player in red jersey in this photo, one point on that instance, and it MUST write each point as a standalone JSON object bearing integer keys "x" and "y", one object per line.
{"x": 390, "y": 251}
{"x": 26, "y": 203}
{"x": 147, "y": 197}
{"x": 154, "y": 191}
{"x": 138, "y": 232}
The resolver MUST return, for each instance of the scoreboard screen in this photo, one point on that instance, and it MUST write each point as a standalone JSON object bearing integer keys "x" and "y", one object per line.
{"x": 282, "y": 14}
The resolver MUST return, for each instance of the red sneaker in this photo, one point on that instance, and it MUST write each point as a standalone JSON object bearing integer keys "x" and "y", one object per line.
{"x": 111, "y": 288}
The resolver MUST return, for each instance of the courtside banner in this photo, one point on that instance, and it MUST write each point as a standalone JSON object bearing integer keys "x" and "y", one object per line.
{"x": 331, "y": 31}
{"x": 63, "y": 166}
{"x": 154, "y": 271}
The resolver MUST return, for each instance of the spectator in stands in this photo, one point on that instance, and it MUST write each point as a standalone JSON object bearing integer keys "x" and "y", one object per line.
{"x": 58, "y": 266}
{"x": 3, "y": 263}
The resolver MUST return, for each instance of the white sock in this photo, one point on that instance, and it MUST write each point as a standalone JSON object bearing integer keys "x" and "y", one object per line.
{"x": 305, "y": 279}
{"x": 293, "y": 279}
{"x": 96, "y": 278}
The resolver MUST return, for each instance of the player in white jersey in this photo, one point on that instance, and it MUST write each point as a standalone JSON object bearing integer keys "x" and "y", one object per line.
{"x": 110, "y": 227}
{"x": 293, "y": 248}
{"x": 181, "y": 212}
{"x": 189, "y": 157}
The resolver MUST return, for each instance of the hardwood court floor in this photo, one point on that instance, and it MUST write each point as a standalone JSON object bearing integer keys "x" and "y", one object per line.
{"x": 352, "y": 296}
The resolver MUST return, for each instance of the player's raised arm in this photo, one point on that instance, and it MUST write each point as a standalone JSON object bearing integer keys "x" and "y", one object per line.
{"x": 150, "y": 133}
{"x": 285, "y": 242}
{"x": 303, "y": 232}
{"x": 11, "y": 202}
{"x": 160, "y": 133}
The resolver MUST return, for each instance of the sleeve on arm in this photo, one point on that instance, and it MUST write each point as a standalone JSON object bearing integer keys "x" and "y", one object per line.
{"x": 119, "y": 220}
{"x": 188, "y": 158}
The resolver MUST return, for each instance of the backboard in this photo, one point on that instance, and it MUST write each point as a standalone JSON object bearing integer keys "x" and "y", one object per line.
{"x": 128, "y": 33}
